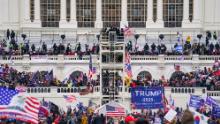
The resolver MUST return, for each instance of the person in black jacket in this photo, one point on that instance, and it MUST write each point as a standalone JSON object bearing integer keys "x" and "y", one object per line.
{"x": 33, "y": 48}
{"x": 8, "y": 34}
{"x": 12, "y": 34}
{"x": 146, "y": 48}
{"x": 44, "y": 48}
{"x": 153, "y": 48}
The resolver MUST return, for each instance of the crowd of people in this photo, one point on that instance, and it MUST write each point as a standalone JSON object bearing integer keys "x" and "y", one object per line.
{"x": 12, "y": 78}
{"x": 207, "y": 77}
{"x": 86, "y": 115}
{"x": 10, "y": 46}
{"x": 186, "y": 48}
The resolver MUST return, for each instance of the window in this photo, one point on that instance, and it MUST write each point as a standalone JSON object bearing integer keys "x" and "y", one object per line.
{"x": 137, "y": 13}
{"x": 32, "y": 10}
{"x": 154, "y": 10}
{"x": 68, "y": 10}
{"x": 191, "y": 10}
{"x": 50, "y": 13}
{"x": 86, "y": 13}
{"x": 111, "y": 13}
{"x": 173, "y": 13}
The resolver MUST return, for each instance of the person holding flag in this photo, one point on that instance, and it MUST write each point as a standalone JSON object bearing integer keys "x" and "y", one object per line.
{"x": 128, "y": 65}
{"x": 90, "y": 74}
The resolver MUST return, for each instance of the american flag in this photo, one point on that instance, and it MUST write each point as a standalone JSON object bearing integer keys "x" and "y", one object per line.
{"x": 19, "y": 107}
{"x": 128, "y": 64}
{"x": 128, "y": 31}
{"x": 114, "y": 111}
{"x": 90, "y": 67}
{"x": 70, "y": 98}
{"x": 21, "y": 88}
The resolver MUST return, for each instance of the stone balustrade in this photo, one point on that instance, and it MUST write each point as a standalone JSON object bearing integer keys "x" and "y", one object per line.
{"x": 213, "y": 93}
{"x": 134, "y": 58}
{"x": 35, "y": 90}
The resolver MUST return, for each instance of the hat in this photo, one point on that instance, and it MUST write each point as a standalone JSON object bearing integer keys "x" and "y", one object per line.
{"x": 130, "y": 119}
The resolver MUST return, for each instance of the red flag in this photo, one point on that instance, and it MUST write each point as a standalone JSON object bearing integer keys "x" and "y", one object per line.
{"x": 216, "y": 73}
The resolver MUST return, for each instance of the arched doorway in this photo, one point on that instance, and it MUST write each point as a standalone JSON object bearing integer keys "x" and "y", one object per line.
{"x": 177, "y": 75}
{"x": 144, "y": 75}
{"x": 76, "y": 75}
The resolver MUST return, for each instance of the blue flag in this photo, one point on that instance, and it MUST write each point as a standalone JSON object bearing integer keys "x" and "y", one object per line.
{"x": 211, "y": 102}
{"x": 179, "y": 48}
{"x": 196, "y": 101}
{"x": 147, "y": 97}
{"x": 216, "y": 111}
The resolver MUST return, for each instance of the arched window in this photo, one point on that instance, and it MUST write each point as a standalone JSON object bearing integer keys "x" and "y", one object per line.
{"x": 144, "y": 75}
{"x": 137, "y": 13}
{"x": 173, "y": 13}
{"x": 86, "y": 13}
{"x": 50, "y": 13}
{"x": 191, "y": 10}
{"x": 32, "y": 10}
{"x": 111, "y": 13}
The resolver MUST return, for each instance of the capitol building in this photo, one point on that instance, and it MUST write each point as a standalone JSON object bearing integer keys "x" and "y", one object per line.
{"x": 84, "y": 22}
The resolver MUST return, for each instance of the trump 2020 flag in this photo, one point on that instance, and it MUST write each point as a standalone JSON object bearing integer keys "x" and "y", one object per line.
{"x": 128, "y": 69}
{"x": 13, "y": 105}
{"x": 90, "y": 67}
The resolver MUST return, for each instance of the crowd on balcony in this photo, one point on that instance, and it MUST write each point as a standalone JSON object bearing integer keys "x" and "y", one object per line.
{"x": 10, "y": 77}
{"x": 11, "y": 46}
{"x": 207, "y": 77}
{"x": 180, "y": 48}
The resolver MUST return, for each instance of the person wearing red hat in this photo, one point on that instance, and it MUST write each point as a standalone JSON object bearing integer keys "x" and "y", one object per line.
{"x": 130, "y": 120}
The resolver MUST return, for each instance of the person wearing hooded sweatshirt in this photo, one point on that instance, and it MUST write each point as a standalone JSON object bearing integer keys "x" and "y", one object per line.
{"x": 187, "y": 117}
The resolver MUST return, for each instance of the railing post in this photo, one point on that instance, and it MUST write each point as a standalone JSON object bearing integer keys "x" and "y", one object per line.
{"x": 26, "y": 62}
{"x": 95, "y": 65}
{"x": 195, "y": 62}
{"x": 161, "y": 65}
{"x": 60, "y": 67}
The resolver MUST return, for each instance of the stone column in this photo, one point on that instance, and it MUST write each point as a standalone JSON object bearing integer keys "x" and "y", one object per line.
{"x": 197, "y": 10}
{"x": 159, "y": 22}
{"x": 26, "y": 11}
{"x": 124, "y": 22}
{"x": 197, "y": 13}
{"x": 149, "y": 14}
{"x": 98, "y": 23}
{"x": 37, "y": 21}
{"x": 186, "y": 22}
{"x": 25, "y": 21}
{"x": 73, "y": 20}
{"x": 63, "y": 21}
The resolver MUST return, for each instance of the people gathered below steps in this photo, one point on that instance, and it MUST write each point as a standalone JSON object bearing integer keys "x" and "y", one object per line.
{"x": 206, "y": 77}
{"x": 86, "y": 115}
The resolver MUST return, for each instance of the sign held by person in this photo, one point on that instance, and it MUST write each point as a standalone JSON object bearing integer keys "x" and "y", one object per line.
{"x": 147, "y": 97}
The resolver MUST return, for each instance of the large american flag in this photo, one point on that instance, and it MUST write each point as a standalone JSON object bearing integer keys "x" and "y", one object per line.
{"x": 13, "y": 105}
{"x": 128, "y": 64}
{"x": 70, "y": 98}
{"x": 114, "y": 111}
